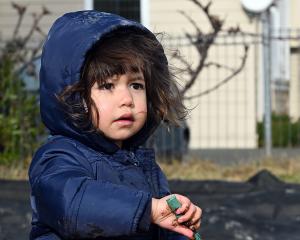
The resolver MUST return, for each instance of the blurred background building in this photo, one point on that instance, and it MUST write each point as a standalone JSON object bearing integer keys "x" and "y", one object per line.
{"x": 230, "y": 116}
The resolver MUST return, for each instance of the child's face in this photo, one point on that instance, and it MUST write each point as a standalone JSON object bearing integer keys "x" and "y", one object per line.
{"x": 122, "y": 106}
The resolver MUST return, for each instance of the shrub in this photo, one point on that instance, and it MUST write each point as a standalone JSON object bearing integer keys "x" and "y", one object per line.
{"x": 20, "y": 127}
{"x": 285, "y": 132}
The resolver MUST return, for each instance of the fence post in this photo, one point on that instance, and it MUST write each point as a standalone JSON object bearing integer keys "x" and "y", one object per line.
{"x": 267, "y": 82}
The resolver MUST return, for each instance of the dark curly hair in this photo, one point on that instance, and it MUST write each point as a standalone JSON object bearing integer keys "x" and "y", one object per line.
{"x": 121, "y": 51}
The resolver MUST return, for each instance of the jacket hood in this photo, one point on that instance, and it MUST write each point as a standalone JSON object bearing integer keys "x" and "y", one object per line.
{"x": 70, "y": 37}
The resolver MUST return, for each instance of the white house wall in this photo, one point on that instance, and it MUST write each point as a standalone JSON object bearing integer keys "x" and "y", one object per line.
{"x": 294, "y": 14}
{"x": 295, "y": 86}
{"x": 8, "y": 16}
{"x": 295, "y": 63}
{"x": 225, "y": 118}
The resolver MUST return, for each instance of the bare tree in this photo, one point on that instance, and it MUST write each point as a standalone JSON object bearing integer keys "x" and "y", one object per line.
{"x": 202, "y": 43}
{"x": 17, "y": 48}
{"x": 20, "y": 129}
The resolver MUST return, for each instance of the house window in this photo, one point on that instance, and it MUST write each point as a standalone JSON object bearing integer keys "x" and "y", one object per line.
{"x": 130, "y": 9}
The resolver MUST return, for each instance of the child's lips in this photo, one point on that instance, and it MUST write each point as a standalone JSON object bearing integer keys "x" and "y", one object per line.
{"x": 125, "y": 119}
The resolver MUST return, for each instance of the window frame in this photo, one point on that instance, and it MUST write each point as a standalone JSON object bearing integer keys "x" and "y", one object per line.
{"x": 144, "y": 10}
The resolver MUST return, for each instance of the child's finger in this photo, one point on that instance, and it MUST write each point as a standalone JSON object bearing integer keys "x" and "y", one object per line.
{"x": 184, "y": 208}
{"x": 196, "y": 226}
{"x": 196, "y": 218}
{"x": 185, "y": 204}
{"x": 188, "y": 215}
{"x": 195, "y": 223}
{"x": 184, "y": 231}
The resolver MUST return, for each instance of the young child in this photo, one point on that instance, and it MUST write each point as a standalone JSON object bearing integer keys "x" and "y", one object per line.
{"x": 105, "y": 86}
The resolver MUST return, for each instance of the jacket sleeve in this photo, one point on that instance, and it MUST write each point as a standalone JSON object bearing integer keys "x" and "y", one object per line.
{"x": 163, "y": 184}
{"x": 70, "y": 201}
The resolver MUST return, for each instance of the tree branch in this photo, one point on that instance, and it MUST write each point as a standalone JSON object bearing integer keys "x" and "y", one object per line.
{"x": 236, "y": 72}
{"x": 202, "y": 43}
{"x": 218, "y": 65}
{"x": 188, "y": 67}
{"x": 36, "y": 20}
{"x": 16, "y": 48}
{"x": 199, "y": 32}
{"x": 21, "y": 11}
{"x": 215, "y": 22}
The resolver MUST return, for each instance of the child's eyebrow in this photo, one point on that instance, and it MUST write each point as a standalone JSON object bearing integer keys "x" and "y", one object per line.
{"x": 137, "y": 77}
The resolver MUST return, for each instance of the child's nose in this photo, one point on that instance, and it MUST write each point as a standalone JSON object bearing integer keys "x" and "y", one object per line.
{"x": 126, "y": 97}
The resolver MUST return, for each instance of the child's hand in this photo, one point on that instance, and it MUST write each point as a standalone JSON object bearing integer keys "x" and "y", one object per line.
{"x": 163, "y": 216}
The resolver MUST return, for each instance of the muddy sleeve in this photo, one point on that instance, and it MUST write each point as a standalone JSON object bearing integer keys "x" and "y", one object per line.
{"x": 70, "y": 201}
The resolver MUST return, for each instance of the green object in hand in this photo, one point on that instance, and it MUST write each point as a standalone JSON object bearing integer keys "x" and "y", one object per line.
{"x": 174, "y": 204}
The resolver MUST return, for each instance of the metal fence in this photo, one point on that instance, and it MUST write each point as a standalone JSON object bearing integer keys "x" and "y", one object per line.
{"x": 229, "y": 115}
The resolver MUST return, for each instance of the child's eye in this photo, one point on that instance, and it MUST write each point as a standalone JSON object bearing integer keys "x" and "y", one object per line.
{"x": 106, "y": 86}
{"x": 137, "y": 86}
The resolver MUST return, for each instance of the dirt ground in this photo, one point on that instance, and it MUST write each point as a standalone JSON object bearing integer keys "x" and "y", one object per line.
{"x": 261, "y": 208}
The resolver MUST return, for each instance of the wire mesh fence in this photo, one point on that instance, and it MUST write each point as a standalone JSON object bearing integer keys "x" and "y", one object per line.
{"x": 229, "y": 111}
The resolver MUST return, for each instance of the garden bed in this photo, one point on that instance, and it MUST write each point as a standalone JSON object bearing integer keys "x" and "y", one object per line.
{"x": 261, "y": 208}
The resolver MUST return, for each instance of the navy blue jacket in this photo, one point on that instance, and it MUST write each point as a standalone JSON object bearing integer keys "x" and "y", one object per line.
{"x": 83, "y": 185}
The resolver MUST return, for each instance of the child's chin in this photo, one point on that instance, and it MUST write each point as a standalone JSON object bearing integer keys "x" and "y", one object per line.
{"x": 122, "y": 137}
